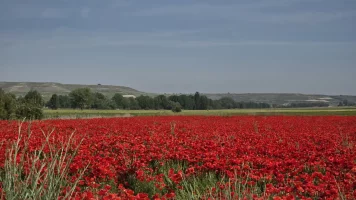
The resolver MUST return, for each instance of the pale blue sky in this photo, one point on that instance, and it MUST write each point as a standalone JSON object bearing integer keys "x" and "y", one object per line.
{"x": 304, "y": 46}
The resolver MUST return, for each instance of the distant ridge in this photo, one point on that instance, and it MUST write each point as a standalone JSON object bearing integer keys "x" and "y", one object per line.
{"x": 285, "y": 98}
{"x": 49, "y": 88}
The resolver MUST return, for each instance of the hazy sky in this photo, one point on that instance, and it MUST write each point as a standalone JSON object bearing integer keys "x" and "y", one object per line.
{"x": 305, "y": 46}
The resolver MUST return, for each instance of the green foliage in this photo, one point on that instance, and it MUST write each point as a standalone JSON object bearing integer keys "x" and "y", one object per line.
{"x": 176, "y": 107}
{"x": 123, "y": 103}
{"x": 81, "y": 98}
{"x": 133, "y": 103}
{"x": 35, "y": 98}
{"x": 197, "y": 101}
{"x": 7, "y": 105}
{"x": 53, "y": 103}
{"x": 29, "y": 107}
{"x": 47, "y": 174}
{"x": 118, "y": 100}
{"x": 145, "y": 102}
{"x": 64, "y": 101}
{"x": 28, "y": 111}
{"x": 161, "y": 102}
{"x": 227, "y": 102}
{"x": 203, "y": 103}
{"x": 101, "y": 102}
{"x": 198, "y": 186}
{"x": 149, "y": 187}
{"x": 186, "y": 101}
{"x": 126, "y": 103}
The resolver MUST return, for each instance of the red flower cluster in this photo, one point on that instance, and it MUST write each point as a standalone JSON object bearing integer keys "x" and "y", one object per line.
{"x": 291, "y": 157}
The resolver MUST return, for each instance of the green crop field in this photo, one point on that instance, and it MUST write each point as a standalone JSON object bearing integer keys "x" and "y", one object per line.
{"x": 71, "y": 113}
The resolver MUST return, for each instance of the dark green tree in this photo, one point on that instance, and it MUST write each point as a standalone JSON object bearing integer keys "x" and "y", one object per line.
{"x": 197, "y": 101}
{"x": 133, "y": 104}
{"x": 126, "y": 103}
{"x": 30, "y": 107}
{"x": 81, "y": 98}
{"x": 101, "y": 102}
{"x": 188, "y": 102}
{"x": 53, "y": 102}
{"x": 64, "y": 101}
{"x": 176, "y": 107}
{"x": 161, "y": 102}
{"x": 174, "y": 98}
{"x": 145, "y": 102}
{"x": 3, "y": 112}
{"x": 119, "y": 101}
{"x": 227, "y": 103}
{"x": 28, "y": 111}
{"x": 7, "y": 105}
{"x": 35, "y": 98}
{"x": 203, "y": 102}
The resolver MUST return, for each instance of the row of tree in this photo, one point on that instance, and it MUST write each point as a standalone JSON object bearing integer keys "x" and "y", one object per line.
{"x": 345, "y": 102}
{"x": 305, "y": 105}
{"x": 30, "y": 106}
{"x": 84, "y": 98}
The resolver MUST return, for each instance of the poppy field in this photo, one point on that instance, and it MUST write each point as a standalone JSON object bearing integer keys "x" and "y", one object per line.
{"x": 182, "y": 157}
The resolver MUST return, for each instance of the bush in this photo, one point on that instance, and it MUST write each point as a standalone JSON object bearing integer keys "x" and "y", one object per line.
{"x": 34, "y": 98}
{"x": 29, "y": 107}
{"x": 29, "y": 111}
{"x": 177, "y": 108}
{"x": 7, "y": 105}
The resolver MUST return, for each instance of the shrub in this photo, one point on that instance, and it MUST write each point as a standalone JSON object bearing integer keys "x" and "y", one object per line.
{"x": 29, "y": 107}
{"x": 7, "y": 105}
{"x": 177, "y": 108}
{"x": 29, "y": 111}
{"x": 34, "y": 98}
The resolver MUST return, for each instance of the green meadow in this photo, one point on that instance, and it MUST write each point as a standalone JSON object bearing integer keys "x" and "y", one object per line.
{"x": 76, "y": 113}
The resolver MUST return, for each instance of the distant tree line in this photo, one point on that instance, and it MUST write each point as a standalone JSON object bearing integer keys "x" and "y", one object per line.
{"x": 305, "y": 105}
{"x": 29, "y": 107}
{"x": 84, "y": 98}
{"x": 345, "y": 102}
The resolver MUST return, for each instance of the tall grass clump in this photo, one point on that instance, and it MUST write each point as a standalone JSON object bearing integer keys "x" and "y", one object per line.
{"x": 39, "y": 174}
{"x": 212, "y": 185}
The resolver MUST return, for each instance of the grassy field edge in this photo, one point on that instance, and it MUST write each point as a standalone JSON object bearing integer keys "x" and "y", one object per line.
{"x": 72, "y": 113}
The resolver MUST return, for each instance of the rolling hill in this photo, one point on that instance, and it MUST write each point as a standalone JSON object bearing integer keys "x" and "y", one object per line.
{"x": 285, "y": 98}
{"x": 49, "y": 88}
